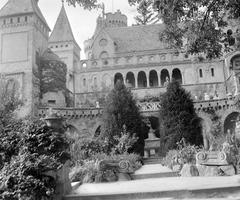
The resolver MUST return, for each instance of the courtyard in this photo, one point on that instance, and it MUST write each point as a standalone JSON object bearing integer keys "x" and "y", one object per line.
{"x": 138, "y": 99}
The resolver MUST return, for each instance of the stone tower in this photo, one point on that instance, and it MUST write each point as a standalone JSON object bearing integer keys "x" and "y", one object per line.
{"x": 24, "y": 35}
{"x": 63, "y": 43}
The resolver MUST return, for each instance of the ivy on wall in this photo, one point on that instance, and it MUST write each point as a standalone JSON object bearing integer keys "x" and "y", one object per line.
{"x": 52, "y": 75}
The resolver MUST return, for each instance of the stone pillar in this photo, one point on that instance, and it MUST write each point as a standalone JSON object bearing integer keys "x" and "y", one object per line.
{"x": 124, "y": 79}
{"x": 136, "y": 80}
{"x": 63, "y": 184}
{"x": 148, "y": 79}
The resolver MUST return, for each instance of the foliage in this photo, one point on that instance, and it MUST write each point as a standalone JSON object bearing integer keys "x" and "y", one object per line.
{"x": 197, "y": 26}
{"x": 178, "y": 118}
{"x": 86, "y": 4}
{"x": 185, "y": 153}
{"x": 121, "y": 110}
{"x": 145, "y": 13}
{"x": 34, "y": 150}
{"x": 124, "y": 142}
{"x": 9, "y": 101}
{"x": 201, "y": 23}
{"x": 88, "y": 171}
{"x": 83, "y": 149}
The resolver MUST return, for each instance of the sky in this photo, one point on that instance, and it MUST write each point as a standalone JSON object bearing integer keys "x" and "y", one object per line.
{"x": 82, "y": 21}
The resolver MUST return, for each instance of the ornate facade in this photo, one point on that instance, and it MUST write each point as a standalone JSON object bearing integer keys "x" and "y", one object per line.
{"x": 133, "y": 54}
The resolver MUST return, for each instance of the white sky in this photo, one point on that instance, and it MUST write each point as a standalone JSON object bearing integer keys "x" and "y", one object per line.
{"x": 83, "y": 22}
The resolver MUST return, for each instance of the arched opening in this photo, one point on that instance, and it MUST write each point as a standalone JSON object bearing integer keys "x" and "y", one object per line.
{"x": 154, "y": 121}
{"x": 142, "y": 79}
{"x": 177, "y": 75}
{"x": 118, "y": 77}
{"x": 164, "y": 76}
{"x": 153, "y": 77}
{"x": 130, "y": 79}
{"x": 230, "y": 122}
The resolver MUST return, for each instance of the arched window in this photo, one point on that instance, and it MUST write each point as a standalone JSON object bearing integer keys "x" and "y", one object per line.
{"x": 142, "y": 79}
{"x": 104, "y": 54}
{"x": 118, "y": 77}
{"x": 95, "y": 81}
{"x": 84, "y": 82}
{"x": 212, "y": 72}
{"x": 164, "y": 76}
{"x": 177, "y": 75}
{"x": 153, "y": 77}
{"x": 130, "y": 80}
{"x": 200, "y": 73}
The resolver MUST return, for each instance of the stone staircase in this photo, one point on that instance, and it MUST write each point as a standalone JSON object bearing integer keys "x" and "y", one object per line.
{"x": 161, "y": 188}
{"x": 153, "y": 181}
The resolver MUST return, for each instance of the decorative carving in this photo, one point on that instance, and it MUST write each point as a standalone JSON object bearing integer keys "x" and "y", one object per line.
{"x": 213, "y": 158}
{"x": 122, "y": 168}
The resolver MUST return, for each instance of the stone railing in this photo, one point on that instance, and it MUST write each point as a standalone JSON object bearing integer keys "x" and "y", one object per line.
{"x": 72, "y": 112}
{"x": 149, "y": 106}
{"x": 161, "y": 57}
{"x": 219, "y": 104}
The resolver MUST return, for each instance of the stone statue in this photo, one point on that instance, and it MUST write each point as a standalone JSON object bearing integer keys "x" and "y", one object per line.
{"x": 166, "y": 82}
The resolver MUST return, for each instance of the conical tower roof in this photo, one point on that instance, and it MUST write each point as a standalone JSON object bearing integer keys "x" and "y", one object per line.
{"x": 62, "y": 30}
{"x": 19, "y": 7}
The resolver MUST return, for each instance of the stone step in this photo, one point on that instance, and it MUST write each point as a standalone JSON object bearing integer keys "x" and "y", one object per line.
{"x": 168, "y": 188}
{"x": 153, "y": 171}
{"x": 153, "y": 160}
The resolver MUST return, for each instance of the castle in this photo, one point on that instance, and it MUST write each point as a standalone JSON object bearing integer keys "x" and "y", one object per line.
{"x": 116, "y": 51}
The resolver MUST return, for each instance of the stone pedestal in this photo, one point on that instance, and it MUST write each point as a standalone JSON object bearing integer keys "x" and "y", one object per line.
{"x": 152, "y": 145}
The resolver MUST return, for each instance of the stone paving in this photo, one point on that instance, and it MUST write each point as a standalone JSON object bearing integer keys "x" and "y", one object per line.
{"x": 162, "y": 188}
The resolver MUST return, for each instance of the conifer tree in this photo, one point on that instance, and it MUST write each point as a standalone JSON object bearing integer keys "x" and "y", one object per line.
{"x": 178, "y": 118}
{"x": 145, "y": 12}
{"x": 121, "y": 111}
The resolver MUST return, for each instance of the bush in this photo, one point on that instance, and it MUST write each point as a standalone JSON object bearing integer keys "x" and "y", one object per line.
{"x": 184, "y": 154}
{"x": 89, "y": 172}
{"x": 121, "y": 110}
{"x": 37, "y": 150}
{"x": 178, "y": 118}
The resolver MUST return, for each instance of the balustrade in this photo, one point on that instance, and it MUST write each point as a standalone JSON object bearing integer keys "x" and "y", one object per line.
{"x": 220, "y": 104}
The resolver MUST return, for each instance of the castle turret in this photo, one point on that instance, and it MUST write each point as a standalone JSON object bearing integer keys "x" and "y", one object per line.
{"x": 24, "y": 35}
{"x": 63, "y": 43}
{"x": 108, "y": 20}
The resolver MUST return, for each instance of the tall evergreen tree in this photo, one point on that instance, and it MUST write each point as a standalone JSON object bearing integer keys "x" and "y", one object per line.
{"x": 145, "y": 12}
{"x": 121, "y": 111}
{"x": 178, "y": 118}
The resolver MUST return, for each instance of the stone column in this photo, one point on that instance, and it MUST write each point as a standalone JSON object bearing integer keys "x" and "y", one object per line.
{"x": 148, "y": 79}
{"x": 124, "y": 79}
{"x": 136, "y": 79}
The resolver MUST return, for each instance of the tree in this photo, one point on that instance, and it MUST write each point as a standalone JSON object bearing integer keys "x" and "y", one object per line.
{"x": 121, "y": 111}
{"x": 198, "y": 26}
{"x": 145, "y": 12}
{"x": 178, "y": 118}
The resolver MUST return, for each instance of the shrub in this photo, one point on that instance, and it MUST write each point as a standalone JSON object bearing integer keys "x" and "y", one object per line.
{"x": 182, "y": 155}
{"x": 121, "y": 110}
{"x": 37, "y": 150}
{"x": 178, "y": 118}
{"x": 89, "y": 172}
